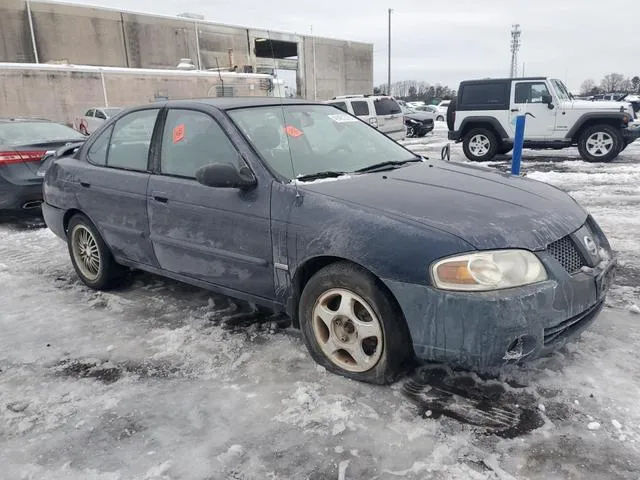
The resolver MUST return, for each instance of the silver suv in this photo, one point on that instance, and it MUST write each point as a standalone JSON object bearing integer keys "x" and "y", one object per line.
{"x": 380, "y": 111}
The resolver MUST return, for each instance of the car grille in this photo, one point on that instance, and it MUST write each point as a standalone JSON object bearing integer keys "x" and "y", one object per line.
{"x": 566, "y": 252}
{"x": 562, "y": 330}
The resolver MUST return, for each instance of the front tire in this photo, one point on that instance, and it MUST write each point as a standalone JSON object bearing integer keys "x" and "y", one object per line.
{"x": 600, "y": 143}
{"x": 352, "y": 327}
{"x": 480, "y": 145}
{"x": 90, "y": 256}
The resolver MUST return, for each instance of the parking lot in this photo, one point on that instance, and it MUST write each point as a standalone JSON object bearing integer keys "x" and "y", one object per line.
{"x": 159, "y": 380}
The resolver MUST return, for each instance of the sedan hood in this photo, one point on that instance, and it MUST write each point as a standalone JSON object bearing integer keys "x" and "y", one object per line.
{"x": 485, "y": 208}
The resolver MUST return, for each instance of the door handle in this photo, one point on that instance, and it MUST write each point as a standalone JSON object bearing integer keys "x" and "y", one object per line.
{"x": 515, "y": 109}
{"x": 85, "y": 184}
{"x": 160, "y": 197}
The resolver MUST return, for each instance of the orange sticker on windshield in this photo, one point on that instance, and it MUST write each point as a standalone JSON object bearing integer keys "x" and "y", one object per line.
{"x": 178, "y": 133}
{"x": 292, "y": 131}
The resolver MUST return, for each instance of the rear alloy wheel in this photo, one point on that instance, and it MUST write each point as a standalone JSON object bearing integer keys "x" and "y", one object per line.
{"x": 90, "y": 256}
{"x": 480, "y": 145}
{"x": 351, "y": 326}
{"x": 600, "y": 143}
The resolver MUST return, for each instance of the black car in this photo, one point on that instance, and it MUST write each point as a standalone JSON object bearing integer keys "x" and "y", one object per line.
{"x": 418, "y": 123}
{"x": 23, "y": 145}
{"x": 379, "y": 255}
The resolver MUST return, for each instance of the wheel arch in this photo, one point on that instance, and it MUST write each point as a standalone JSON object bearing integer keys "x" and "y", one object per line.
{"x": 309, "y": 267}
{"x": 490, "y": 123}
{"x": 591, "y": 119}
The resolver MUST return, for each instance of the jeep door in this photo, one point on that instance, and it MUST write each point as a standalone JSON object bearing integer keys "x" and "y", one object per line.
{"x": 526, "y": 99}
{"x": 217, "y": 235}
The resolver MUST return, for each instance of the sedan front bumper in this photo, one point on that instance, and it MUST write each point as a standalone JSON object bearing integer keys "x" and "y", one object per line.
{"x": 484, "y": 330}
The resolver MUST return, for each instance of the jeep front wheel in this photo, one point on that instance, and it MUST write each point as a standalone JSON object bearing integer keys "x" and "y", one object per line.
{"x": 480, "y": 145}
{"x": 600, "y": 143}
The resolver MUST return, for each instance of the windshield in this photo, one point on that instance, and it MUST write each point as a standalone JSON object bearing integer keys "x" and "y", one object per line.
{"x": 30, "y": 133}
{"x": 110, "y": 112}
{"x": 301, "y": 140}
{"x": 561, "y": 90}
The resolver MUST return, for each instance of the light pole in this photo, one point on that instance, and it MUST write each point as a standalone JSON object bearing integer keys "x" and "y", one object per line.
{"x": 389, "y": 61}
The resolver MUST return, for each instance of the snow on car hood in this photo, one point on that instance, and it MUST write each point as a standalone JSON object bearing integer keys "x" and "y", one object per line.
{"x": 604, "y": 105}
{"x": 485, "y": 208}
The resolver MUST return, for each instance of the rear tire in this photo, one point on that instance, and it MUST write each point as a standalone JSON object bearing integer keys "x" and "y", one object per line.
{"x": 600, "y": 143}
{"x": 352, "y": 327}
{"x": 90, "y": 256}
{"x": 440, "y": 118}
{"x": 480, "y": 145}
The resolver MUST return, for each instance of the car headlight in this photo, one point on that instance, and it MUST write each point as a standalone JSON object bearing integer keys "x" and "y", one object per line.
{"x": 491, "y": 270}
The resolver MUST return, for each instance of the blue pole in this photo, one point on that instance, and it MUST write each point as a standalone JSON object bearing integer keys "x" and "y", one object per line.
{"x": 517, "y": 145}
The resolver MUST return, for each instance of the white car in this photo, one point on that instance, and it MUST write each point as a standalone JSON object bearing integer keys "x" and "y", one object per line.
{"x": 484, "y": 117}
{"x": 380, "y": 111}
{"x": 93, "y": 118}
{"x": 441, "y": 110}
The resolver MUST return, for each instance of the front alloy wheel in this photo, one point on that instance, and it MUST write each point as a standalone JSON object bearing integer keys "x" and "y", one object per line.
{"x": 600, "y": 143}
{"x": 347, "y": 330}
{"x": 352, "y": 326}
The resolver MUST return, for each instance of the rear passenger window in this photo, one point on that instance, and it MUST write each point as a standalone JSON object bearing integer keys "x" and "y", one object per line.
{"x": 486, "y": 94}
{"x": 360, "y": 108}
{"x": 530, "y": 92}
{"x": 129, "y": 147}
{"x": 89, "y": 113}
{"x": 97, "y": 154}
{"x": 386, "y": 106}
{"x": 192, "y": 140}
{"x": 341, "y": 106}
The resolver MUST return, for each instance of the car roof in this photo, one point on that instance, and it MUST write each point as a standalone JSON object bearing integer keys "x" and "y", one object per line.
{"x": 498, "y": 80}
{"x": 230, "y": 103}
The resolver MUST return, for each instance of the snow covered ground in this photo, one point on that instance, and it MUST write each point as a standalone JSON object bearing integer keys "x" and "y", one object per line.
{"x": 159, "y": 380}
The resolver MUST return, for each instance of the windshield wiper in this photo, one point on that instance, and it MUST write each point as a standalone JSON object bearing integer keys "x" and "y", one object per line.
{"x": 390, "y": 165}
{"x": 319, "y": 175}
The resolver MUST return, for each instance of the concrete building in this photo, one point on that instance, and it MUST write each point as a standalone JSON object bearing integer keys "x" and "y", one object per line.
{"x": 63, "y": 92}
{"x": 41, "y": 32}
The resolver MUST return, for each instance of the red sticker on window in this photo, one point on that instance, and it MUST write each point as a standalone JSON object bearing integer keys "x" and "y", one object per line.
{"x": 178, "y": 133}
{"x": 292, "y": 131}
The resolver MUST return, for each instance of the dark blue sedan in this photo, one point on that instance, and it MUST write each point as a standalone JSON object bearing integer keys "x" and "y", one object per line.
{"x": 380, "y": 257}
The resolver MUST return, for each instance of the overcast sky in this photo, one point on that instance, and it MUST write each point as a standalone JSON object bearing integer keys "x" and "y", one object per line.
{"x": 447, "y": 41}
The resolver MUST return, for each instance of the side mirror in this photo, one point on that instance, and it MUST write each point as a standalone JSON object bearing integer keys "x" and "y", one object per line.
{"x": 224, "y": 175}
{"x": 548, "y": 99}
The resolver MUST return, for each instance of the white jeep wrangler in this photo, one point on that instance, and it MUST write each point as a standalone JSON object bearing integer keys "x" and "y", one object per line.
{"x": 484, "y": 114}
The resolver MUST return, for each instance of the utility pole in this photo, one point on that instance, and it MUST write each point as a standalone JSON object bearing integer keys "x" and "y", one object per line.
{"x": 515, "y": 46}
{"x": 389, "y": 61}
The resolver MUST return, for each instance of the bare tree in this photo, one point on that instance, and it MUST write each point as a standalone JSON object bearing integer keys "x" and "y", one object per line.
{"x": 635, "y": 81}
{"x": 612, "y": 82}
{"x": 587, "y": 86}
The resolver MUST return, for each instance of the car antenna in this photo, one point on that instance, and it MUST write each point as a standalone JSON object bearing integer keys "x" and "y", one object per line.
{"x": 284, "y": 120}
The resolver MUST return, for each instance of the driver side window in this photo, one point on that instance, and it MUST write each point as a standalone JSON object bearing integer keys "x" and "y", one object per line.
{"x": 530, "y": 92}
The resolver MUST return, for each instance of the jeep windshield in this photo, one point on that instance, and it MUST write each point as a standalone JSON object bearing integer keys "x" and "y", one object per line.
{"x": 303, "y": 141}
{"x": 561, "y": 90}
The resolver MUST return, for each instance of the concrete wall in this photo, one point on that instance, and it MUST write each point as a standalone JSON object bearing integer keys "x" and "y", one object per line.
{"x": 15, "y": 39}
{"x": 96, "y": 36}
{"x": 61, "y": 94}
{"x": 341, "y": 68}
